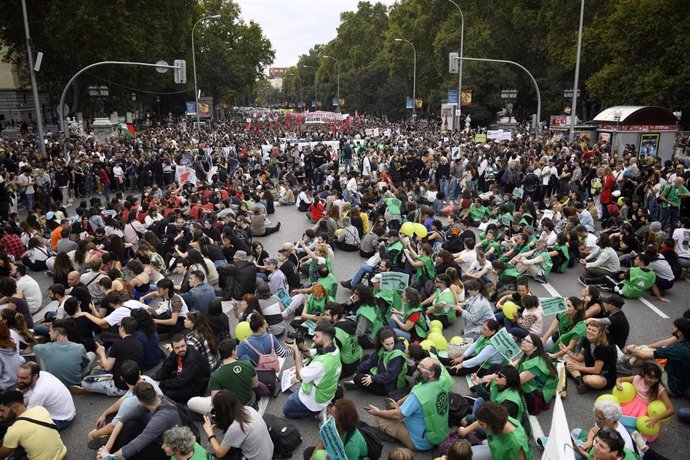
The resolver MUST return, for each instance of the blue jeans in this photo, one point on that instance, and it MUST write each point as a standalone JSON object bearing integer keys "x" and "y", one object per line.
{"x": 363, "y": 269}
{"x": 62, "y": 424}
{"x": 29, "y": 201}
{"x": 399, "y": 332}
{"x": 670, "y": 214}
{"x": 295, "y": 409}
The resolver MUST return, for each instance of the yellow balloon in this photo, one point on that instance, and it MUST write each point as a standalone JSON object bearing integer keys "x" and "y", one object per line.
{"x": 436, "y": 325}
{"x": 457, "y": 340}
{"x": 420, "y": 230}
{"x": 510, "y": 310}
{"x": 426, "y": 344}
{"x": 406, "y": 342}
{"x": 644, "y": 429}
{"x": 242, "y": 331}
{"x": 656, "y": 408}
{"x": 407, "y": 228}
{"x": 626, "y": 394}
{"x": 438, "y": 340}
{"x": 608, "y": 397}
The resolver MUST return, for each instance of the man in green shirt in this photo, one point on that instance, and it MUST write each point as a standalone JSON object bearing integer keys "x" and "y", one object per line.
{"x": 670, "y": 198}
{"x": 238, "y": 376}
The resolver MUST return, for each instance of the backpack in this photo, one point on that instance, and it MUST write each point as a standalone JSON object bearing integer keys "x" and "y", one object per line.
{"x": 285, "y": 436}
{"x": 267, "y": 361}
{"x": 186, "y": 419}
{"x": 458, "y": 408}
{"x": 371, "y": 436}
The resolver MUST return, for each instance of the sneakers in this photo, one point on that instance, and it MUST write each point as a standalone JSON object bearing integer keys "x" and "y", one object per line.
{"x": 77, "y": 390}
{"x": 683, "y": 273}
{"x": 583, "y": 280}
{"x": 97, "y": 443}
{"x": 540, "y": 279}
{"x": 346, "y": 284}
{"x": 350, "y": 385}
{"x": 582, "y": 388}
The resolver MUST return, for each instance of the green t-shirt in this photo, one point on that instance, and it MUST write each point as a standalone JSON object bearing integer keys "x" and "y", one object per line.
{"x": 639, "y": 281}
{"x": 355, "y": 448}
{"x": 477, "y": 213}
{"x": 487, "y": 245}
{"x": 236, "y": 377}
{"x": 199, "y": 454}
{"x": 330, "y": 283}
{"x": 508, "y": 446}
{"x": 672, "y": 194}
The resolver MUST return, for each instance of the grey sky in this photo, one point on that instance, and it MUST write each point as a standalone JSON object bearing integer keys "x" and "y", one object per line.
{"x": 291, "y": 24}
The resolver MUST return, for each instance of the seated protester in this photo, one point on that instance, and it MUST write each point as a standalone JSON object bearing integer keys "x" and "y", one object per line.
{"x": 383, "y": 373}
{"x": 505, "y": 278}
{"x": 370, "y": 241}
{"x": 10, "y": 359}
{"x": 315, "y": 209}
{"x": 538, "y": 375}
{"x": 179, "y": 442}
{"x": 348, "y": 237}
{"x": 321, "y": 255}
{"x": 667, "y": 251}
{"x": 566, "y": 330}
{"x": 123, "y": 407}
{"x": 560, "y": 253}
{"x": 319, "y": 377}
{"x": 246, "y": 434}
{"x": 423, "y": 263}
{"x": 170, "y": 315}
{"x": 594, "y": 367}
{"x": 481, "y": 269}
{"x": 147, "y": 334}
{"x": 475, "y": 309}
{"x": 529, "y": 321}
{"x": 625, "y": 241}
{"x": 515, "y": 246}
{"x": 31, "y": 430}
{"x": 128, "y": 348}
{"x": 218, "y": 320}
{"x": 345, "y": 338}
{"x": 675, "y": 378}
{"x": 277, "y": 281}
{"x": 68, "y": 361}
{"x": 409, "y": 323}
{"x": 236, "y": 375}
{"x": 238, "y": 278}
{"x": 615, "y": 321}
{"x": 45, "y": 390}
{"x": 635, "y": 282}
{"x": 368, "y": 315}
{"x": 603, "y": 262}
{"x": 391, "y": 250}
{"x": 507, "y": 439}
{"x": 184, "y": 373}
{"x": 480, "y": 356}
{"x": 588, "y": 241}
{"x": 420, "y": 422}
{"x": 200, "y": 292}
{"x": 467, "y": 256}
{"x": 490, "y": 245}
{"x": 591, "y": 296}
{"x": 314, "y": 306}
{"x": 504, "y": 390}
{"x": 139, "y": 436}
{"x": 120, "y": 310}
{"x": 271, "y": 309}
{"x": 258, "y": 222}
{"x": 344, "y": 412}
{"x": 664, "y": 273}
{"x": 607, "y": 416}
{"x": 441, "y": 302}
{"x": 536, "y": 263}
{"x": 14, "y": 300}
{"x": 201, "y": 337}
{"x": 289, "y": 269}
{"x": 260, "y": 342}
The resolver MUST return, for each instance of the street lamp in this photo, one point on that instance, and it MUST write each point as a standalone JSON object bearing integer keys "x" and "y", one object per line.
{"x": 316, "y": 99}
{"x": 196, "y": 91}
{"x": 338, "y": 65}
{"x": 414, "y": 73}
{"x": 577, "y": 73}
{"x": 462, "y": 43}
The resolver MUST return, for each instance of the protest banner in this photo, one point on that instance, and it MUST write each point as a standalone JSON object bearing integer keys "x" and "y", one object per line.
{"x": 517, "y": 191}
{"x": 505, "y": 345}
{"x": 331, "y": 440}
{"x": 560, "y": 445}
{"x": 394, "y": 281}
{"x": 552, "y": 305}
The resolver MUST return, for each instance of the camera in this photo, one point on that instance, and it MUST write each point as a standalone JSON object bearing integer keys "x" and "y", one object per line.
{"x": 212, "y": 416}
{"x": 298, "y": 336}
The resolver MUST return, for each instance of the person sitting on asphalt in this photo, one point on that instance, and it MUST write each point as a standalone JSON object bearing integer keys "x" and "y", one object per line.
{"x": 31, "y": 430}
{"x": 45, "y": 390}
{"x": 260, "y": 342}
{"x": 442, "y": 303}
{"x": 184, "y": 373}
{"x": 632, "y": 284}
{"x": 603, "y": 262}
{"x": 345, "y": 338}
{"x": 391, "y": 250}
{"x": 200, "y": 293}
{"x": 383, "y": 372}
{"x": 536, "y": 263}
{"x": 319, "y": 377}
{"x": 479, "y": 357}
{"x": 344, "y": 412}
{"x": 607, "y": 416}
{"x": 594, "y": 367}
{"x": 420, "y": 420}
{"x": 507, "y": 439}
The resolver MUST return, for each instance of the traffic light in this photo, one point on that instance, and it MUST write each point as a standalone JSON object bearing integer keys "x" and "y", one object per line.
{"x": 180, "y": 71}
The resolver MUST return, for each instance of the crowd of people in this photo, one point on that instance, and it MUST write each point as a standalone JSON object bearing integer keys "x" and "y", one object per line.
{"x": 145, "y": 238}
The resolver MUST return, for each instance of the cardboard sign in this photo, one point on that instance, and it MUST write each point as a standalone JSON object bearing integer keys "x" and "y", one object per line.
{"x": 286, "y": 379}
{"x": 480, "y": 138}
{"x": 518, "y": 192}
{"x": 505, "y": 344}
{"x": 553, "y": 305}
{"x": 331, "y": 440}
{"x": 394, "y": 281}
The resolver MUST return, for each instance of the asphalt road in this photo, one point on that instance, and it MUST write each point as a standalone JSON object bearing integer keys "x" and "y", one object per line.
{"x": 650, "y": 320}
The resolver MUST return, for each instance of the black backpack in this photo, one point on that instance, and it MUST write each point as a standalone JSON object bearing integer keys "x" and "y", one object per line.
{"x": 371, "y": 436}
{"x": 285, "y": 436}
{"x": 186, "y": 419}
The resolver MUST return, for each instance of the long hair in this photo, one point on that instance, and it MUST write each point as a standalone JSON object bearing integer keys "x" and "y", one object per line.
{"x": 652, "y": 370}
{"x": 539, "y": 352}
{"x": 5, "y": 337}
{"x": 202, "y": 328}
{"x": 253, "y": 305}
{"x": 63, "y": 264}
{"x": 228, "y": 409}
{"x": 16, "y": 321}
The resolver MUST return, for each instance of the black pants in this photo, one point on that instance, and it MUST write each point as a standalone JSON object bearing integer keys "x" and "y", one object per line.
{"x": 346, "y": 247}
{"x": 180, "y": 395}
{"x": 373, "y": 388}
{"x": 348, "y": 369}
{"x": 132, "y": 429}
{"x": 36, "y": 266}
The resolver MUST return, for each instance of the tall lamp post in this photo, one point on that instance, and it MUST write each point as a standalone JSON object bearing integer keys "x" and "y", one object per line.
{"x": 34, "y": 86}
{"x": 462, "y": 44}
{"x": 196, "y": 91}
{"x": 414, "y": 73}
{"x": 316, "y": 98}
{"x": 577, "y": 73}
{"x": 337, "y": 63}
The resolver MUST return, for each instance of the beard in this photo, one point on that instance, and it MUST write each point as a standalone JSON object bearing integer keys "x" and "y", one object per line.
{"x": 420, "y": 377}
{"x": 22, "y": 386}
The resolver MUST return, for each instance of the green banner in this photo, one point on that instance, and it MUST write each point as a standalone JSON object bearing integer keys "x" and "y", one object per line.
{"x": 480, "y": 138}
{"x": 518, "y": 192}
{"x": 553, "y": 305}
{"x": 505, "y": 344}
{"x": 331, "y": 440}
{"x": 394, "y": 281}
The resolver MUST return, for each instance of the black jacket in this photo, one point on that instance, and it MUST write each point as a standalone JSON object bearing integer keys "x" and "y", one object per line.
{"x": 237, "y": 280}
{"x": 195, "y": 372}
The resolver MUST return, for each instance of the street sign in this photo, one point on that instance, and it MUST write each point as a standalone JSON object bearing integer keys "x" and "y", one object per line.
{"x": 452, "y": 96}
{"x": 453, "y": 59}
{"x": 408, "y": 103}
{"x": 505, "y": 345}
{"x": 180, "y": 71}
{"x": 161, "y": 66}
{"x": 553, "y": 305}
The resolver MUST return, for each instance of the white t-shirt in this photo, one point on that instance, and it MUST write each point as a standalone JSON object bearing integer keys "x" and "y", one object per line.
{"x": 123, "y": 312}
{"x": 31, "y": 291}
{"x": 591, "y": 242}
{"x": 476, "y": 266}
{"x": 682, "y": 238}
{"x": 52, "y": 394}
{"x": 466, "y": 258}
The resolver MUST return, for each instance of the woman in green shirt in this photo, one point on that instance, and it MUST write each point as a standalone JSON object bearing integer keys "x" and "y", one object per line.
{"x": 344, "y": 412}
{"x": 538, "y": 375}
{"x": 441, "y": 302}
{"x": 422, "y": 262}
{"x": 179, "y": 443}
{"x": 566, "y": 329}
{"x": 507, "y": 440}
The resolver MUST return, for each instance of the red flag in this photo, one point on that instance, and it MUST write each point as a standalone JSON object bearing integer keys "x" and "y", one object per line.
{"x": 357, "y": 118}
{"x": 130, "y": 127}
{"x": 249, "y": 126}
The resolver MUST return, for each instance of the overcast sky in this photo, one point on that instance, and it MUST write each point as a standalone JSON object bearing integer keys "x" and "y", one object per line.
{"x": 290, "y": 24}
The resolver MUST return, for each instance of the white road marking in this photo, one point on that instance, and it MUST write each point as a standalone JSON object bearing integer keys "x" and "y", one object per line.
{"x": 551, "y": 290}
{"x": 653, "y": 308}
{"x": 537, "y": 432}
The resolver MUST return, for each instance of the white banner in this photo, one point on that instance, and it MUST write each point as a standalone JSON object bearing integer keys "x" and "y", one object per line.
{"x": 559, "y": 445}
{"x": 499, "y": 135}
